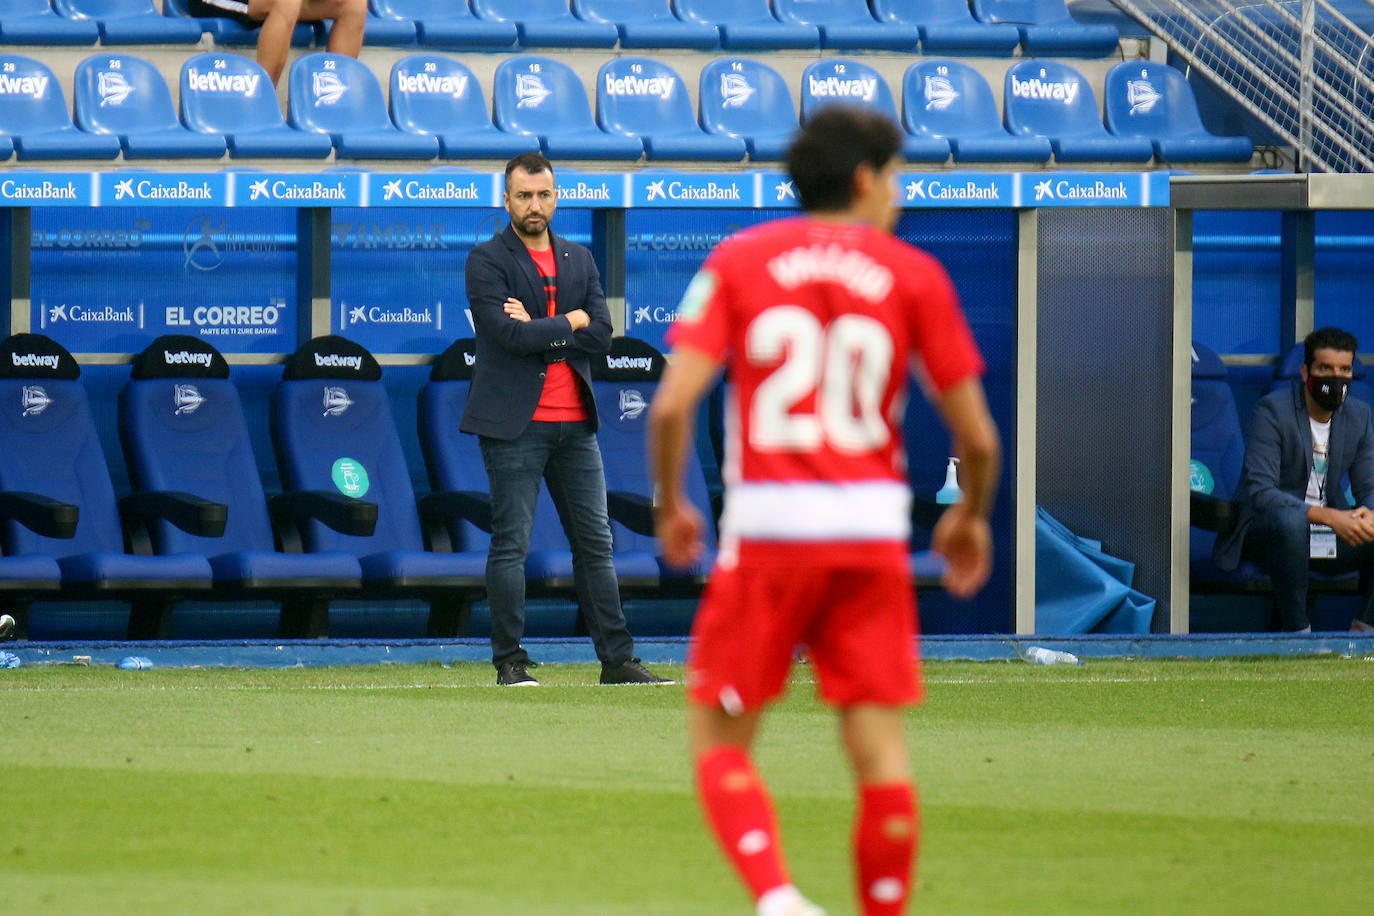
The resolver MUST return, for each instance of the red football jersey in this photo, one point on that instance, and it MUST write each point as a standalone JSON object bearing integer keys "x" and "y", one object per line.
{"x": 819, "y": 324}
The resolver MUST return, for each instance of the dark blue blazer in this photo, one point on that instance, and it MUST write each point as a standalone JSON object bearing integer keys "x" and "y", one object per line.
{"x": 1278, "y": 459}
{"x": 512, "y": 356}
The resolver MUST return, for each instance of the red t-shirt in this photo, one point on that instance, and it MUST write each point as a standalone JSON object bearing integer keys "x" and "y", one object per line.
{"x": 819, "y": 323}
{"x": 562, "y": 397}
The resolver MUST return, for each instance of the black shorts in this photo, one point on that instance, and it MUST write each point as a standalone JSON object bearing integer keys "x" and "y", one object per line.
{"x": 236, "y": 10}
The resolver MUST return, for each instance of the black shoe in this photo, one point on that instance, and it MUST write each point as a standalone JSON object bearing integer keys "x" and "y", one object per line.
{"x": 632, "y": 672}
{"x": 515, "y": 674}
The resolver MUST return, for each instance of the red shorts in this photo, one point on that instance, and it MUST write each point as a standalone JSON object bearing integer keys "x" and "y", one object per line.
{"x": 857, "y": 621}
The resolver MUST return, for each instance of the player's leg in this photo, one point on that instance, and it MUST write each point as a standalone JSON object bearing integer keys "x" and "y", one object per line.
{"x": 274, "y": 38}
{"x": 887, "y": 824}
{"x": 350, "y": 19}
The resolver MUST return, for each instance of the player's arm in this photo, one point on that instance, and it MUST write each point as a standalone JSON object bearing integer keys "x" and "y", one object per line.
{"x": 963, "y": 536}
{"x": 672, "y": 416}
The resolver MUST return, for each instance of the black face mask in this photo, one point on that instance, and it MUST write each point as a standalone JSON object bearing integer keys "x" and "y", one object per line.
{"x": 1328, "y": 391}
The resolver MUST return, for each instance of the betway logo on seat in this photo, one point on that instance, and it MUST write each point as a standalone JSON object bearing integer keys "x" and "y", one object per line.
{"x": 837, "y": 87}
{"x": 630, "y": 362}
{"x": 33, "y": 86}
{"x": 1048, "y": 90}
{"x": 31, "y": 360}
{"x": 185, "y": 358}
{"x": 429, "y": 84}
{"x": 334, "y": 361}
{"x": 244, "y": 84}
{"x": 660, "y": 87}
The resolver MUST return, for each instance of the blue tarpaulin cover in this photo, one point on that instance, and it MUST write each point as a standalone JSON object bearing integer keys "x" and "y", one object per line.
{"x": 1080, "y": 589}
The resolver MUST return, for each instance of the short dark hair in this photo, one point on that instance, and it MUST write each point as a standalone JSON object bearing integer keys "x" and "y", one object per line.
{"x": 836, "y": 141}
{"x": 1327, "y": 338}
{"x": 531, "y": 163}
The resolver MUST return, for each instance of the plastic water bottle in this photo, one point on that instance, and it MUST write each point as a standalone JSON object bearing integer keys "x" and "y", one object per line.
{"x": 134, "y": 663}
{"x": 950, "y": 492}
{"x": 1039, "y": 655}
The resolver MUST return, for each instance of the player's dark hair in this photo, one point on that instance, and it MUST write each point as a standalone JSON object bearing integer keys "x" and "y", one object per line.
{"x": 1327, "y": 339}
{"x": 835, "y": 142}
{"x": 530, "y": 163}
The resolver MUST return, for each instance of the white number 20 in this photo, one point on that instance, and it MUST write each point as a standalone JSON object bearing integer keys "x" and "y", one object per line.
{"x": 846, "y": 364}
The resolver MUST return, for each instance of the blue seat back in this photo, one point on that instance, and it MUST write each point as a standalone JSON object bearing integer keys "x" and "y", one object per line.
{"x": 742, "y": 97}
{"x": 433, "y": 93}
{"x": 332, "y": 430}
{"x": 624, "y": 382}
{"x": 642, "y": 97}
{"x": 1021, "y": 12}
{"x": 122, "y": 94}
{"x": 724, "y": 12}
{"x": 1050, "y": 99}
{"x": 1218, "y": 441}
{"x": 923, "y": 12}
{"x": 539, "y": 95}
{"x": 845, "y": 81}
{"x": 1145, "y": 99}
{"x": 35, "y": 102}
{"x": 182, "y": 427}
{"x": 51, "y": 447}
{"x": 334, "y": 94}
{"x": 228, "y": 93}
{"x": 625, "y": 11}
{"x": 824, "y": 12}
{"x": 104, "y": 9}
{"x": 947, "y": 98}
{"x": 522, "y": 10}
{"x": 421, "y": 9}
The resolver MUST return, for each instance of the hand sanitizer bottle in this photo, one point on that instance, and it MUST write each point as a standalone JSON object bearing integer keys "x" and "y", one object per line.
{"x": 950, "y": 492}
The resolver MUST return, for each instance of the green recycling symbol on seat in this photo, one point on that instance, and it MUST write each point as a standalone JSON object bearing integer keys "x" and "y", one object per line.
{"x": 350, "y": 477}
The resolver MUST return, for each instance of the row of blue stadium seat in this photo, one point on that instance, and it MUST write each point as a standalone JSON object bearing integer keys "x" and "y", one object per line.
{"x": 1039, "y": 27}
{"x": 198, "y": 525}
{"x": 437, "y": 109}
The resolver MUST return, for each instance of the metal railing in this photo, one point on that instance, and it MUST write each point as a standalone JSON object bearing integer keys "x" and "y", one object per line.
{"x": 1302, "y": 67}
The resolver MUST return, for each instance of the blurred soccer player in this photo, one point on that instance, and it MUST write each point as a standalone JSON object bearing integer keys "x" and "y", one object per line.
{"x": 818, "y": 321}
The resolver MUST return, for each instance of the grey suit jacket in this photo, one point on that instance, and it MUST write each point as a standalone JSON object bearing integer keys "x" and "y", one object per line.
{"x": 1278, "y": 459}
{"x": 512, "y": 356}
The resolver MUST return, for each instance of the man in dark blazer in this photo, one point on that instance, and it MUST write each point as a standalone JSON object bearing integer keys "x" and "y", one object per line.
{"x": 1304, "y": 442}
{"x": 540, "y": 313}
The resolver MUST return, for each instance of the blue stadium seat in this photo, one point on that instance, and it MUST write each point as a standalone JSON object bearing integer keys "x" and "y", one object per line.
{"x": 748, "y": 25}
{"x": 1047, "y": 28}
{"x": 1146, "y": 99}
{"x": 53, "y": 459}
{"x": 849, "y": 25}
{"x": 333, "y": 432}
{"x": 126, "y": 96}
{"x": 744, "y": 98}
{"x": 623, "y": 385}
{"x": 35, "y": 119}
{"x": 132, "y": 22}
{"x": 33, "y": 22}
{"x": 230, "y": 95}
{"x": 948, "y": 27}
{"x": 648, "y": 24}
{"x": 1217, "y": 453}
{"x": 547, "y": 24}
{"x": 849, "y": 82}
{"x": 439, "y": 96}
{"x": 950, "y": 99}
{"x": 446, "y": 23}
{"x": 183, "y": 432}
{"x": 339, "y": 96}
{"x": 647, "y": 99}
{"x": 545, "y": 98}
{"x": 390, "y": 31}
{"x": 458, "y": 478}
{"x": 230, "y": 33}
{"x": 1051, "y": 99}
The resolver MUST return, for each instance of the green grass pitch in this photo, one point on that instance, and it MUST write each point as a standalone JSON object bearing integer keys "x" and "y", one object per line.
{"x": 1140, "y": 787}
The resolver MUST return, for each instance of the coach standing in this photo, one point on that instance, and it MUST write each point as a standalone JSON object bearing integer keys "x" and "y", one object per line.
{"x": 540, "y": 313}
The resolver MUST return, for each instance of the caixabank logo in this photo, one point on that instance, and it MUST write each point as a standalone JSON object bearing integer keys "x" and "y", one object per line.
{"x": 165, "y": 190}
{"x": 454, "y": 190}
{"x": 248, "y": 189}
{"x": 98, "y": 318}
{"x": 50, "y": 190}
{"x": 957, "y": 189}
{"x": 660, "y": 190}
{"x": 1088, "y": 189}
{"x": 354, "y": 316}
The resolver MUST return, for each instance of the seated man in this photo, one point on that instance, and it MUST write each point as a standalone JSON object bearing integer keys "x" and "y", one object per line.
{"x": 1304, "y": 442}
{"x": 278, "y": 18}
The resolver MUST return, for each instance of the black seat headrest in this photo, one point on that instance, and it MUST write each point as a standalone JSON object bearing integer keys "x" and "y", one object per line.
{"x": 455, "y": 363}
{"x": 179, "y": 356}
{"x": 36, "y": 356}
{"x": 332, "y": 356}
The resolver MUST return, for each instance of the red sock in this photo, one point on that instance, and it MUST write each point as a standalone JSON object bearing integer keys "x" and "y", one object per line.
{"x": 885, "y": 836}
{"x": 740, "y": 814}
